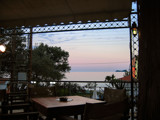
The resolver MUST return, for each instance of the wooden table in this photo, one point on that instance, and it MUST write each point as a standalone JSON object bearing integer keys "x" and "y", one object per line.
{"x": 52, "y": 108}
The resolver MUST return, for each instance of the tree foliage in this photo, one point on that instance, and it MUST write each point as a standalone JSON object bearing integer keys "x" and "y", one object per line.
{"x": 16, "y": 54}
{"x": 49, "y": 63}
{"x": 117, "y": 83}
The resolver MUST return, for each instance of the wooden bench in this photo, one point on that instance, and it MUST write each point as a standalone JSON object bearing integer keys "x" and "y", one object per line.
{"x": 24, "y": 106}
{"x": 20, "y": 116}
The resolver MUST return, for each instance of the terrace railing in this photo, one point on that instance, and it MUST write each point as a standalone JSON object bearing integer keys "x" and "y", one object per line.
{"x": 66, "y": 88}
{"x": 62, "y": 88}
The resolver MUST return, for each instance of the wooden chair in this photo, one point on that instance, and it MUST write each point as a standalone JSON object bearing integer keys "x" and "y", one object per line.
{"x": 116, "y": 95}
{"x": 15, "y": 101}
{"x": 10, "y": 107}
{"x": 17, "y": 97}
{"x": 109, "y": 111}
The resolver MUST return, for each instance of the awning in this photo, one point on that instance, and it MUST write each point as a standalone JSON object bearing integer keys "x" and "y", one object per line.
{"x": 40, "y": 12}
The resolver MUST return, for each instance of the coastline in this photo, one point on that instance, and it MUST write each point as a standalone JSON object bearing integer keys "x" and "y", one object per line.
{"x": 90, "y": 76}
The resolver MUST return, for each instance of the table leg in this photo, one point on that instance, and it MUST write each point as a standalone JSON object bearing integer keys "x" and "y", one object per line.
{"x": 81, "y": 116}
{"x": 49, "y": 118}
{"x": 76, "y": 117}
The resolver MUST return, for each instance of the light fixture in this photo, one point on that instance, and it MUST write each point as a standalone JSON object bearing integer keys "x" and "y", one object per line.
{"x": 2, "y": 48}
{"x": 134, "y": 29}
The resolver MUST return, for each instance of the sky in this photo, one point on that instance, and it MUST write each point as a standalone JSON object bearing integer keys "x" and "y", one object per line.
{"x": 104, "y": 50}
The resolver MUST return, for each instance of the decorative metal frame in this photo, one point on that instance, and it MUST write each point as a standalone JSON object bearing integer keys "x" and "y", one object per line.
{"x": 134, "y": 53}
{"x": 126, "y": 23}
{"x": 68, "y": 27}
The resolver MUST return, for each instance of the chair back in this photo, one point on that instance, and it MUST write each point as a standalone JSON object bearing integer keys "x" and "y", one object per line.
{"x": 114, "y": 95}
{"x": 42, "y": 92}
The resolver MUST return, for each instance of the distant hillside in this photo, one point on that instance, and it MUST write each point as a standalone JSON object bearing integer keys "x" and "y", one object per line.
{"x": 121, "y": 71}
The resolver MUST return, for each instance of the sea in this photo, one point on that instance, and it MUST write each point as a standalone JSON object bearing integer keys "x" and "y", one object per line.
{"x": 90, "y": 76}
{"x": 99, "y": 77}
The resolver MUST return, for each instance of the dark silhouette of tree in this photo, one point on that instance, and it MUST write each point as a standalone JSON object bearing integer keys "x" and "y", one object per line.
{"x": 49, "y": 63}
{"x": 117, "y": 83}
{"x": 15, "y": 56}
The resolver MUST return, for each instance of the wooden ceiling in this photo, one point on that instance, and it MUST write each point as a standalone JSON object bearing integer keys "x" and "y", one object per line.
{"x": 40, "y": 12}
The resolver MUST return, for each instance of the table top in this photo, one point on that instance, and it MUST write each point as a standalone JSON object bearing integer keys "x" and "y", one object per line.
{"x": 50, "y": 102}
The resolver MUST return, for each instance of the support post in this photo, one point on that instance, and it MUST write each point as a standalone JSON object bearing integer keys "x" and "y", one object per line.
{"x": 30, "y": 61}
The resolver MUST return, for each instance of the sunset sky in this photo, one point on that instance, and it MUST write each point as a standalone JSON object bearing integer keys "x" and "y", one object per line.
{"x": 91, "y": 50}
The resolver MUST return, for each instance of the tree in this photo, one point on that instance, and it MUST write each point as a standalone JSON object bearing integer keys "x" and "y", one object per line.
{"x": 49, "y": 63}
{"x": 119, "y": 84}
{"x": 15, "y": 55}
